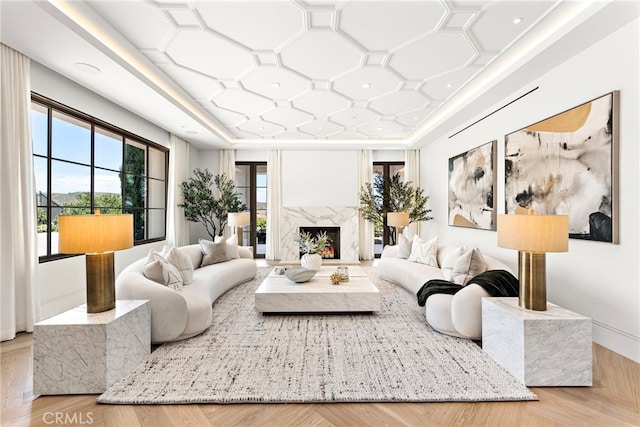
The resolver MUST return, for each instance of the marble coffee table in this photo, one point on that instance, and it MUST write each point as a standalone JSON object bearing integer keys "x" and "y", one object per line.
{"x": 277, "y": 294}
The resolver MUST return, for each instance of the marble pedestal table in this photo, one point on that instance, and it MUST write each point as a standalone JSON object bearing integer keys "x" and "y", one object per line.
{"x": 539, "y": 348}
{"x": 77, "y": 352}
{"x": 277, "y": 294}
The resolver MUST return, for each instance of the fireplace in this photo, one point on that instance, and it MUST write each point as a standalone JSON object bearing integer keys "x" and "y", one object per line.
{"x": 333, "y": 251}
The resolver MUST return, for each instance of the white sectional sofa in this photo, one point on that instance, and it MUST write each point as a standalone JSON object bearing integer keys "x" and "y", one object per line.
{"x": 458, "y": 315}
{"x": 179, "y": 315}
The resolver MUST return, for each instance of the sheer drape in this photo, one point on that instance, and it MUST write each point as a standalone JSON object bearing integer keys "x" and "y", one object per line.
{"x": 365, "y": 174}
{"x": 18, "y": 234}
{"x": 177, "y": 225}
{"x": 274, "y": 203}
{"x": 412, "y": 173}
{"x": 227, "y": 166}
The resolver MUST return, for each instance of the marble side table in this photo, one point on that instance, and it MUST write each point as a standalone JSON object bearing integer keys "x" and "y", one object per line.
{"x": 77, "y": 352}
{"x": 539, "y": 348}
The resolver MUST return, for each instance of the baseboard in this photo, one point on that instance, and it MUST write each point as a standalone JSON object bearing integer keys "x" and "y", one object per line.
{"x": 617, "y": 340}
{"x": 61, "y": 303}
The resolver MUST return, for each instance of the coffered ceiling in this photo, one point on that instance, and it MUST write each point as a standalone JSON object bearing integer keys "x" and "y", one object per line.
{"x": 307, "y": 73}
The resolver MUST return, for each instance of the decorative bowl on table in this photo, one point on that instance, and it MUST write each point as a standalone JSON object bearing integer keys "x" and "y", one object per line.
{"x": 299, "y": 274}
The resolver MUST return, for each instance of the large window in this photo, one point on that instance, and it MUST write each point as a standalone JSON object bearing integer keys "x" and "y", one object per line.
{"x": 381, "y": 231}
{"x": 83, "y": 164}
{"x": 251, "y": 184}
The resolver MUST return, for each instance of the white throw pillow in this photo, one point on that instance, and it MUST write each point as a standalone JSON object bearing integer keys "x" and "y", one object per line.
{"x": 426, "y": 253}
{"x": 417, "y": 241}
{"x": 404, "y": 246}
{"x": 181, "y": 261}
{"x": 213, "y": 253}
{"x": 160, "y": 270}
{"x": 232, "y": 246}
{"x": 448, "y": 262}
{"x": 468, "y": 265}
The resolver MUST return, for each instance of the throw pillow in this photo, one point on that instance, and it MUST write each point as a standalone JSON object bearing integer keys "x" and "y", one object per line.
{"x": 468, "y": 265}
{"x": 232, "y": 246}
{"x": 213, "y": 253}
{"x": 417, "y": 241}
{"x": 426, "y": 253}
{"x": 404, "y": 246}
{"x": 181, "y": 261}
{"x": 160, "y": 270}
{"x": 448, "y": 262}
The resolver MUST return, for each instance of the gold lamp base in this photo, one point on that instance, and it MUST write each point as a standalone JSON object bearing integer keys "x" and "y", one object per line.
{"x": 532, "y": 273}
{"x": 101, "y": 289}
{"x": 239, "y": 234}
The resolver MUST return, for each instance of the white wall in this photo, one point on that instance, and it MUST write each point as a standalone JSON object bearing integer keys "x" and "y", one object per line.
{"x": 595, "y": 279}
{"x": 62, "y": 283}
{"x": 319, "y": 178}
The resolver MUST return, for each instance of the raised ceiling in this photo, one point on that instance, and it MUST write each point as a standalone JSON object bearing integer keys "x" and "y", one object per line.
{"x": 254, "y": 74}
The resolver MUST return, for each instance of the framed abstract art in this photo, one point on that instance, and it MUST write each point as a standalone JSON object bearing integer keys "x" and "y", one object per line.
{"x": 472, "y": 182}
{"x": 568, "y": 164}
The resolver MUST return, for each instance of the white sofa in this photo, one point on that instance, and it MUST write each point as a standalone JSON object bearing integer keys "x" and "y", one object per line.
{"x": 459, "y": 315}
{"x": 179, "y": 315}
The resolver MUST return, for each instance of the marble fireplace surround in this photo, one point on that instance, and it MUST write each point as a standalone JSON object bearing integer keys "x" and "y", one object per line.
{"x": 345, "y": 217}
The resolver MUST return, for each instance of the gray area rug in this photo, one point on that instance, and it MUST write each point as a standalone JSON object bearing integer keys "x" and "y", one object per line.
{"x": 389, "y": 356}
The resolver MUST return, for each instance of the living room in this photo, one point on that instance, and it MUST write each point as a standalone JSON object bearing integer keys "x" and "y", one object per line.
{"x": 599, "y": 55}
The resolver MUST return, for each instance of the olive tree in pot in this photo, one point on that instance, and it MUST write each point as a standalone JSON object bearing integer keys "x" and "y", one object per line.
{"x": 390, "y": 194}
{"x": 207, "y": 206}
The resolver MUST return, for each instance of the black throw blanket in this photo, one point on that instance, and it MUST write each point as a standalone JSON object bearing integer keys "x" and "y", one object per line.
{"x": 497, "y": 283}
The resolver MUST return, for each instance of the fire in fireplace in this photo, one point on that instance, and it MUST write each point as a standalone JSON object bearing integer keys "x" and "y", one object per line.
{"x": 333, "y": 251}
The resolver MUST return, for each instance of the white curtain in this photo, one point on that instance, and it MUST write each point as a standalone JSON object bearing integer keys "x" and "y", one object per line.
{"x": 20, "y": 302}
{"x": 412, "y": 173}
{"x": 365, "y": 174}
{"x": 228, "y": 163}
{"x": 274, "y": 204}
{"x": 177, "y": 225}
{"x": 227, "y": 167}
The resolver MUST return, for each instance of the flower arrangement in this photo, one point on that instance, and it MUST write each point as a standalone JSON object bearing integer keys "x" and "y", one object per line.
{"x": 312, "y": 244}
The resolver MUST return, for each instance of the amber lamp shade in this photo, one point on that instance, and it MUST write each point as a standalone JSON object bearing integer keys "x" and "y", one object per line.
{"x": 533, "y": 236}
{"x": 97, "y": 236}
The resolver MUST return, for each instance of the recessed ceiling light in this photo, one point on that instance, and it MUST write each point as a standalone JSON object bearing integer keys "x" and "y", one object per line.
{"x": 379, "y": 128}
{"x": 366, "y": 85}
{"x": 192, "y": 132}
{"x": 449, "y": 85}
{"x": 261, "y": 128}
{"x": 517, "y": 20}
{"x": 319, "y": 128}
{"x": 415, "y": 117}
{"x": 275, "y": 84}
{"x": 87, "y": 68}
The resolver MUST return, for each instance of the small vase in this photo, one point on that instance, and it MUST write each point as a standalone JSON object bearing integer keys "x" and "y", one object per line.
{"x": 311, "y": 261}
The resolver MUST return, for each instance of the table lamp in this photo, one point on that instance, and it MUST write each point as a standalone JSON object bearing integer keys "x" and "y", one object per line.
{"x": 239, "y": 220}
{"x": 399, "y": 220}
{"x": 533, "y": 236}
{"x": 97, "y": 236}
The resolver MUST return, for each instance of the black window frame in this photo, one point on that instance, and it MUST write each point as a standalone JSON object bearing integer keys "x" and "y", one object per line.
{"x": 386, "y": 172}
{"x": 51, "y": 106}
{"x": 253, "y": 203}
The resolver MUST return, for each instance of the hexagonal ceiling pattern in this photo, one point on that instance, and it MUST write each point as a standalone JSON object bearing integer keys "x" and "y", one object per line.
{"x": 320, "y": 70}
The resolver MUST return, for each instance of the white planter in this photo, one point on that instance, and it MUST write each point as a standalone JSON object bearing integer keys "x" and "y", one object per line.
{"x": 311, "y": 261}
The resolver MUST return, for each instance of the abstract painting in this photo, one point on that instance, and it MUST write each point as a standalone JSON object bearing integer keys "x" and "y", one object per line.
{"x": 471, "y": 188}
{"x": 567, "y": 164}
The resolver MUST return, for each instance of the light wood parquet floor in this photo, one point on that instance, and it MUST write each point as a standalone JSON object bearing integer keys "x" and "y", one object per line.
{"x": 614, "y": 400}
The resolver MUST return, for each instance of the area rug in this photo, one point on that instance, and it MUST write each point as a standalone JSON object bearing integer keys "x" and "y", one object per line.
{"x": 388, "y": 356}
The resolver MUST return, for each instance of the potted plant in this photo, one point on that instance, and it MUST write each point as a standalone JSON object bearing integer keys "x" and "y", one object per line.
{"x": 204, "y": 205}
{"x": 390, "y": 194}
{"x": 310, "y": 246}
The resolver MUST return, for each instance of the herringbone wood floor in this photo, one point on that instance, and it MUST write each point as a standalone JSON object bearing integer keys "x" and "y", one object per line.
{"x": 614, "y": 400}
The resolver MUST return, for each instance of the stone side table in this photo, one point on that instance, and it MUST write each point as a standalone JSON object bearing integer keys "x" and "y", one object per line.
{"x": 77, "y": 352}
{"x": 539, "y": 348}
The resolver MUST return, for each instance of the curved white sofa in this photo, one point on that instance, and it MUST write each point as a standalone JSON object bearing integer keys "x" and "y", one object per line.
{"x": 459, "y": 315}
{"x": 179, "y": 315}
